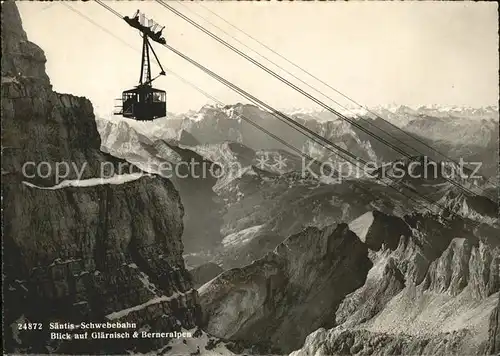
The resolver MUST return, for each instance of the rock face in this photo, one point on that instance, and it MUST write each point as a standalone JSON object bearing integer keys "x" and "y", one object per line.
{"x": 282, "y": 297}
{"x": 434, "y": 293}
{"x": 39, "y": 125}
{"x": 493, "y": 345}
{"x": 204, "y": 273}
{"x": 88, "y": 252}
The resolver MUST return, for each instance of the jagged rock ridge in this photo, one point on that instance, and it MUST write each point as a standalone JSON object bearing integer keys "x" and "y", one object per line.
{"x": 435, "y": 292}
{"x": 416, "y": 284}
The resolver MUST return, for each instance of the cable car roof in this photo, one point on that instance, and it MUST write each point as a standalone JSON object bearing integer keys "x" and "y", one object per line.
{"x": 143, "y": 89}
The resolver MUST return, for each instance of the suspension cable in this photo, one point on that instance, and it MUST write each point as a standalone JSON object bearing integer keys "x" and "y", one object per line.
{"x": 415, "y": 137}
{"x": 293, "y": 86}
{"x": 281, "y": 116}
{"x": 246, "y": 95}
{"x": 368, "y": 191}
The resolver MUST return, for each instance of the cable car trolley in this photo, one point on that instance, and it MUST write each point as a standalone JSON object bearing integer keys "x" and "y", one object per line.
{"x": 143, "y": 102}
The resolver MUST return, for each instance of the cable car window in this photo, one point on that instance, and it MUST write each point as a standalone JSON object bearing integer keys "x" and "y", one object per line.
{"x": 130, "y": 97}
{"x": 158, "y": 97}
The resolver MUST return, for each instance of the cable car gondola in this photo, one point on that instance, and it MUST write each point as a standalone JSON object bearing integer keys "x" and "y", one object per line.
{"x": 143, "y": 102}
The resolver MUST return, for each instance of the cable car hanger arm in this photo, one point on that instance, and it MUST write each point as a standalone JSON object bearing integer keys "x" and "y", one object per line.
{"x": 148, "y": 82}
{"x": 157, "y": 60}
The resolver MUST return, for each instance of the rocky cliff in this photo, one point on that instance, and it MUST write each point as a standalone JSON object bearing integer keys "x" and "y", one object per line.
{"x": 90, "y": 243}
{"x": 282, "y": 297}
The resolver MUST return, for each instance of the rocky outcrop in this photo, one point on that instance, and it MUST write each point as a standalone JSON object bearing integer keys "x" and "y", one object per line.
{"x": 493, "y": 345}
{"x": 92, "y": 243}
{"x": 361, "y": 342}
{"x": 288, "y": 293}
{"x": 436, "y": 293}
{"x": 463, "y": 264}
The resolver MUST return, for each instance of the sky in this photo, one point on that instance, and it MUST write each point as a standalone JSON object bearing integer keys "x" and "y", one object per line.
{"x": 377, "y": 53}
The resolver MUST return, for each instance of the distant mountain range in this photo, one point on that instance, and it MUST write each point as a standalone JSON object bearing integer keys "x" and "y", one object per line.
{"x": 395, "y": 111}
{"x": 441, "y": 133}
